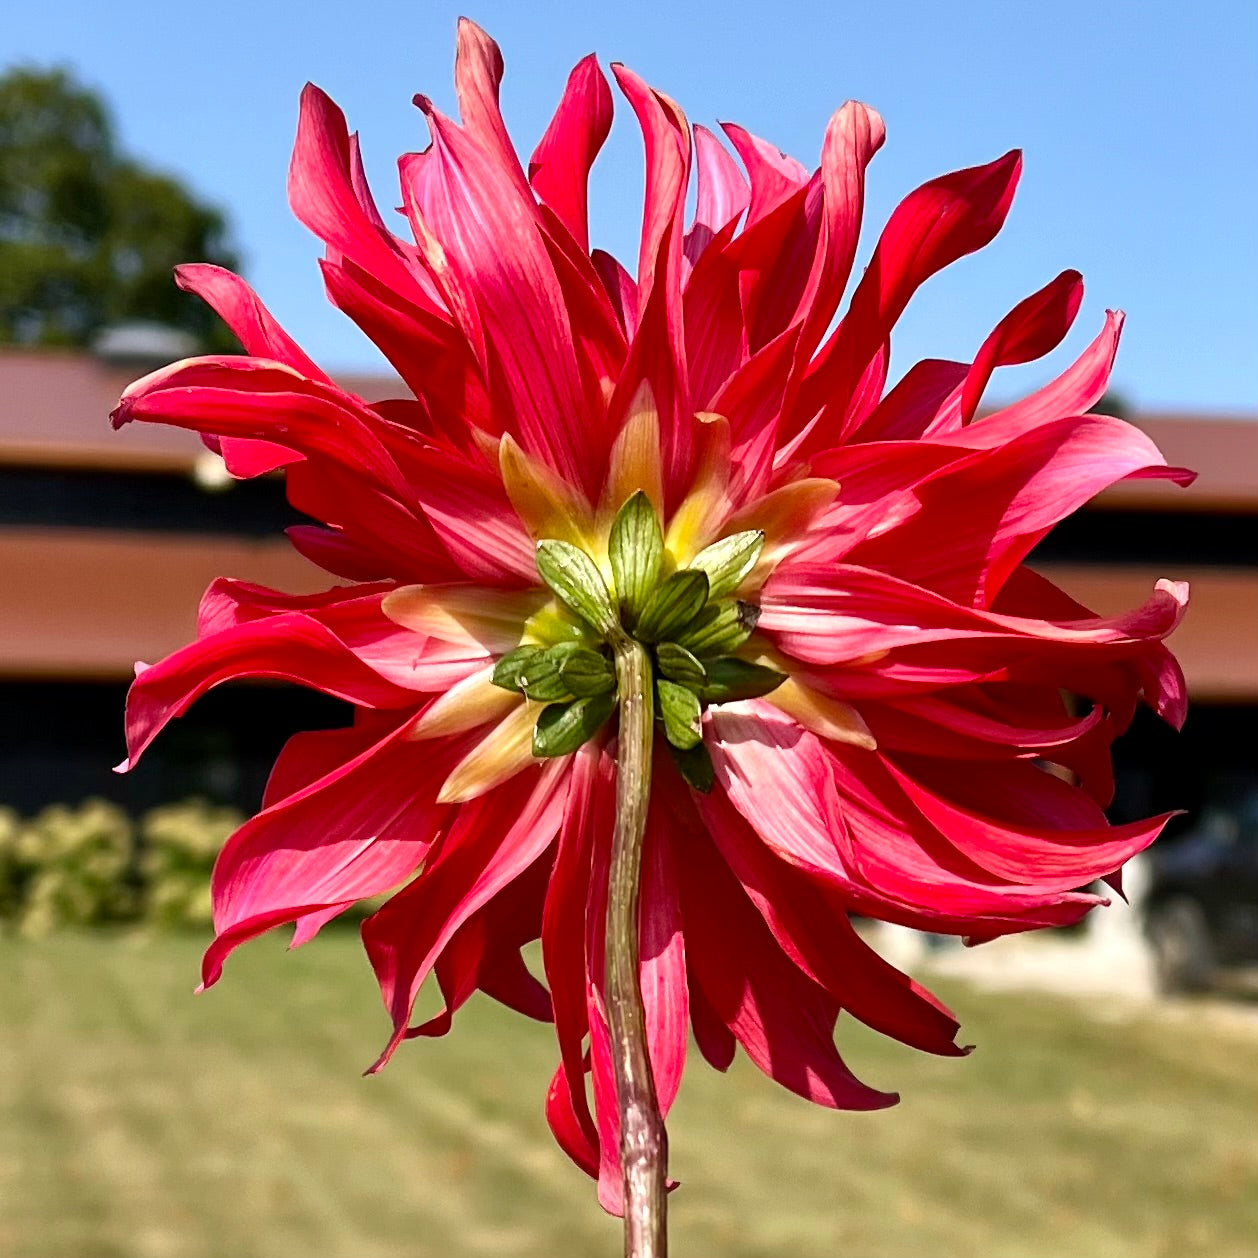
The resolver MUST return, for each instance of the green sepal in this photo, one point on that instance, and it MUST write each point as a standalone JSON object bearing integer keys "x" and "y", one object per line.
{"x": 572, "y": 574}
{"x": 673, "y": 604}
{"x": 507, "y": 670}
{"x": 720, "y": 628}
{"x": 563, "y": 727}
{"x": 677, "y": 664}
{"x": 730, "y": 679}
{"x": 679, "y": 710}
{"x": 636, "y": 550}
{"x": 728, "y": 561}
{"x": 541, "y": 677}
{"x": 695, "y": 766}
{"x": 586, "y": 672}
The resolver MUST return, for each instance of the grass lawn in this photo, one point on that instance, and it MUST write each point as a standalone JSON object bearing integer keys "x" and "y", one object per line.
{"x": 139, "y": 1122}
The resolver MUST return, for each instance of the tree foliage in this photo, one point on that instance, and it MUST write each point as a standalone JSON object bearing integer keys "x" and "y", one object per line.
{"x": 88, "y": 235}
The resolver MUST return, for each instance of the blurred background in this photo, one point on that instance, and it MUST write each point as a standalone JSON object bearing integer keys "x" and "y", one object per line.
{"x": 1109, "y": 1107}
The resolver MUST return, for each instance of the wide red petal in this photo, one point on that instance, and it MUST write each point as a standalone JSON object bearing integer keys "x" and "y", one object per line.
{"x": 783, "y": 1020}
{"x": 354, "y": 832}
{"x": 559, "y": 169}
{"x": 492, "y": 841}
{"x": 290, "y": 647}
{"x": 932, "y": 227}
{"x": 472, "y": 206}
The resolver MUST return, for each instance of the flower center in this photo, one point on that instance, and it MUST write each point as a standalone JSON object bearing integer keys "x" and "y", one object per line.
{"x": 689, "y": 619}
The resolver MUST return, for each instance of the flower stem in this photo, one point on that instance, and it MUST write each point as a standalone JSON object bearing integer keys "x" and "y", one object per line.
{"x": 643, "y": 1142}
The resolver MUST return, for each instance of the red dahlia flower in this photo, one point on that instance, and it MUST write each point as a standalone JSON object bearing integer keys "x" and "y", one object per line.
{"x": 859, "y": 686}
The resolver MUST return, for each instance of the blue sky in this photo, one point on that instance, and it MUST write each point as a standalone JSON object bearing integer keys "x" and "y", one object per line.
{"x": 1139, "y": 122}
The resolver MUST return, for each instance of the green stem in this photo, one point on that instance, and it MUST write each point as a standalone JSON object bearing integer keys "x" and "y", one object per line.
{"x": 643, "y": 1142}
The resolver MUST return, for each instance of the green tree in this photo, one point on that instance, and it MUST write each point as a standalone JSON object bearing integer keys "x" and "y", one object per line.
{"x": 88, "y": 236}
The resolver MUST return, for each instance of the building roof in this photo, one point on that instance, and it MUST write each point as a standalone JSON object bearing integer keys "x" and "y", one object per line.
{"x": 55, "y": 404}
{"x": 54, "y": 412}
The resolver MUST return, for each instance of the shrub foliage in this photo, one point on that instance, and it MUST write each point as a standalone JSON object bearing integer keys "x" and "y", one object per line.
{"x": 94, "y": 865}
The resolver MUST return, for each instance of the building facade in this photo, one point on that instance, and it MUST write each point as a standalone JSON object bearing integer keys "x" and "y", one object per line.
{"x": 107, "y": 540}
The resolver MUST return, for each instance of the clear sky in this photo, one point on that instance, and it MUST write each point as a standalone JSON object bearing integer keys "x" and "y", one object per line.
{"x": 1139, "y": 122}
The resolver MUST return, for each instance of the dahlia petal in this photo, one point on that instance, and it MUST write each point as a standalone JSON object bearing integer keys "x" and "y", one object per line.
{"x": 588, "y": 817}
{"x": 663, "y": 962}
{"x": 751, "y": 399}
{"x": 254, "y": 397}
{"x": 491, "y": 842}
{"x": 777, "y": 258}
{"x": 332, "y": 551}
{"x": 472, "y": 206}
{"x": 1030, "y": 330}
{"x": 621, "y": 289}
{"x": 547, "y": 505}
{"x": 715, "y": 330}
{"x": 426, "y": 351}
{"x": 1074, "y": 392}
{"x": 824, "y": 715}
{"x": 910, "y": 409}
{"x": 355, "y": 615}
{"x": 635, "y": 461}
{"x": 606, "y": 1106}
{"x": 322, "y": 193}
{"x": 291, "y": 647}
{"x": 467, "y": 615}
{"x": 565, "y": 1124}
{"x": 854, "y": 134}
{"x": 774, "y": 176}
{"x": 950, "y": 728}
{"x": 723, "y": 194}
{"x": 255, "y": 328}
{"x": 353, "y": 833}
{"x": 810, "y": 924}
{"x": 658, "y": 353}
{"x": 559, "y": 169}
{"x": 602, "y": 1071}
{"x": 982, "y": 515}
{"x": 850, "y": 827}
{"x": 502, "y": 752}
{"x": 450, "y": 491}
{"x": 477, "y": 77}
{"x": 714, "y": 1040}
{"x": 784, "y": 1021}
{"x": 310, "y": 755}
{"x": 826, "y": 615}
{"x": 941, "y": 221}
{"x": 253, "y": 325}
{"x": 484, "y": 954}
{"x": 228, "y": 602}
{"x": 667, "y": 142}
{"x": 1035, "y": 855}
{"x": 469, "y": 703}
{"x": 381, "y": 529}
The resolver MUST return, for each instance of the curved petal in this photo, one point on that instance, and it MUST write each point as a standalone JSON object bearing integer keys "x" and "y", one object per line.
{"x": 289, "y": 647}
{"x": 810, "y": 923}
{"x": 940, "y": 222}
{"x": 355, "y": 832}
{"x": 472, "y": 206}
{"x": 831, "y": 614}
{"x": 559, "y": 169}
{"x": 492, "y": 841}
{"x": 783, "y": 1020}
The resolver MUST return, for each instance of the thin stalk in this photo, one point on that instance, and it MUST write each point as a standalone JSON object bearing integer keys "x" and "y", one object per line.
{"x": 643, "y": 1142}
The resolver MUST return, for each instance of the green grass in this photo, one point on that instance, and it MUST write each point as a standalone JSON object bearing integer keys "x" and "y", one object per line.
{"x": 139, "y": 1122}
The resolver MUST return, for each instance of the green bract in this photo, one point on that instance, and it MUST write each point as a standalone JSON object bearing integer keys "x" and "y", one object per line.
{"x": 572, "y": 574}
{"x": 728, "y": 561}
{"x": 686, "y": 618}
{"x": 636, "y": 551}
